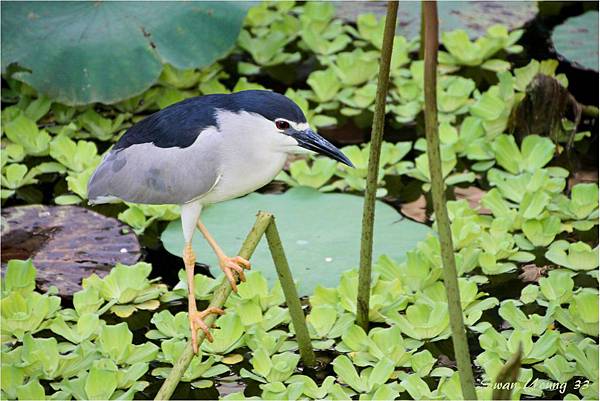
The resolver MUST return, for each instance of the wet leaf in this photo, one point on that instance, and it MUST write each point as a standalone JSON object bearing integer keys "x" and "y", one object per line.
{"x": 416, "y": 210}
{"x": 532, "y": 273}
{"x": 473, "y": 195}
{"x": 66, "y": 243}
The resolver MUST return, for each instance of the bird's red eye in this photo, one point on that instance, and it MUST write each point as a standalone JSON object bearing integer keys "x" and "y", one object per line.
{"x": 280, "y": 124}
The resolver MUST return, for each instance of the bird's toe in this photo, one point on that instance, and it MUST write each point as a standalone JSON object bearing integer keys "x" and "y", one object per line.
{"x": 237, "y": 264}
{"x": 241, "y": 261}
{"x": 197, "y": 323}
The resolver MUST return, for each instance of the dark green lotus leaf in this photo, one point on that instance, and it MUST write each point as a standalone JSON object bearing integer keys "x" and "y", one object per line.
{"x": 107, "y": 51}
{"x": 320, "y": 233}
{"x": 576, "y": 39}
{"x": 475, "y": 17}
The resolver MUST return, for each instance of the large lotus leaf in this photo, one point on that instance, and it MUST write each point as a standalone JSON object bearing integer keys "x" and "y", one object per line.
{"x": 475, "y": 17}
{"x": 320, "y": 233}
{"x": 106, "y": 51}
{"x": 576, "y": 39}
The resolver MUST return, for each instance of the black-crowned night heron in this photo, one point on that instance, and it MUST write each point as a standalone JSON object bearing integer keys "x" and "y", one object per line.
{"x": 204, "y": 150}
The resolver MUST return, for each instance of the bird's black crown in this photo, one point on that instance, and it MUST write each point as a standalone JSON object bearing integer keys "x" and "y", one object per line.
{"x": 180, "y": 124}
{"x": 270, "y": 105}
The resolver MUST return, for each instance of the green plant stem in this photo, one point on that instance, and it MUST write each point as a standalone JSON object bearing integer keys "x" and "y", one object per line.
{"x": 219, "y": 297}
{"x": 106, "y": 307}
{"x": 422, "y": 34}
{"x": 590, "y": 111}
{"x": 459, "y": 337}
{"x": 291, "y": 295}
{"x": 366, "y": 242}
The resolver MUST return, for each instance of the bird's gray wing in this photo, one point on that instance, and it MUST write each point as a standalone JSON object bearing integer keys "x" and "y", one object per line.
{"x": 145, "y": 173}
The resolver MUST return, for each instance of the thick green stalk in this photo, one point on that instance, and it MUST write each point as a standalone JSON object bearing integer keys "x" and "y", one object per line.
{"x": 106, "y": 307}
{"x": 366, "y": 242}
{"x": 219, "y": 297}
{"x": 422, "y": 34}
{"x": 459, "y": 337}
{"x": 590, "y": 111}
{"x": 291, "y": 295}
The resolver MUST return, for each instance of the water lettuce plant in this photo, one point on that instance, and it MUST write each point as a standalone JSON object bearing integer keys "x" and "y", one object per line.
{"x": 575, "y": 256}
{"x": 380, "y": 343}
{"x": 83, "y": 366}
{"x": 23, "y": 131}
{"x": 200, "y": 367}
{"x": 582, "y": 314}
{"x": 581, "y": 207}
{"x": 24, "y": 311}
{"x": 270, "y": 369}
{"x": 127, "y": 289}
{"x": 370, "y": 381}
{"x": 326, "y": 324}
{"x": 391, "y": 163}
{"x": 315, "y": 176}
{"x": 462, "y": 51}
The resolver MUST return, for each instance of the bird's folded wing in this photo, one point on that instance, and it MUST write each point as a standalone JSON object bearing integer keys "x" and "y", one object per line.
{"x": 144, "y": 173}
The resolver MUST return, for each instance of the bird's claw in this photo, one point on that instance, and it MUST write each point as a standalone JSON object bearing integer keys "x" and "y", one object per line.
{"x": 237, "y": 264}
{"x": 197, "y": 322}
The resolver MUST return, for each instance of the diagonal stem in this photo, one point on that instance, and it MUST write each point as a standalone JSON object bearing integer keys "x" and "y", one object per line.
{"x": 366, "y": 242}
{"x": 459, "y": 336}
{"x": 219, "y": 297}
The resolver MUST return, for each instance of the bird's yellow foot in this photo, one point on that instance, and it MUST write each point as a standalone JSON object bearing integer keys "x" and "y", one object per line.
{"x": 237, "y": 264}
{"x": 197, "y": 322}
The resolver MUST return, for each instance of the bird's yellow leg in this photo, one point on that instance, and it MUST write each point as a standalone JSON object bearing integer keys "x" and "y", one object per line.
{"x": 195, "y": 317}
{"x": 227, "y": 264}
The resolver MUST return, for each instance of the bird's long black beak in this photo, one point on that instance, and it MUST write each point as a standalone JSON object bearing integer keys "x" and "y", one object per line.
{"x": 310, "y": 140}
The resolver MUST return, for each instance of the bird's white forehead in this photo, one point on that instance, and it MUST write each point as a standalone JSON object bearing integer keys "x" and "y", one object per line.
{"x": 244, "y": 117}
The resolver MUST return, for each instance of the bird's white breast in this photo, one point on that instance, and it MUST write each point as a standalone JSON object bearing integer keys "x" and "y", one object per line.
{"x": 252, "y": 153}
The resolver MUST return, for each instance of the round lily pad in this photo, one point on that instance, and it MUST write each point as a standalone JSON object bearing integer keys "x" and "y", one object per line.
{"x": 66, "y": 243}
{"x": 475, "y": 17}
{"x": 576, "y": 39}
{"x": 320, "y": 233}
{"x": 106, "y": 51}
